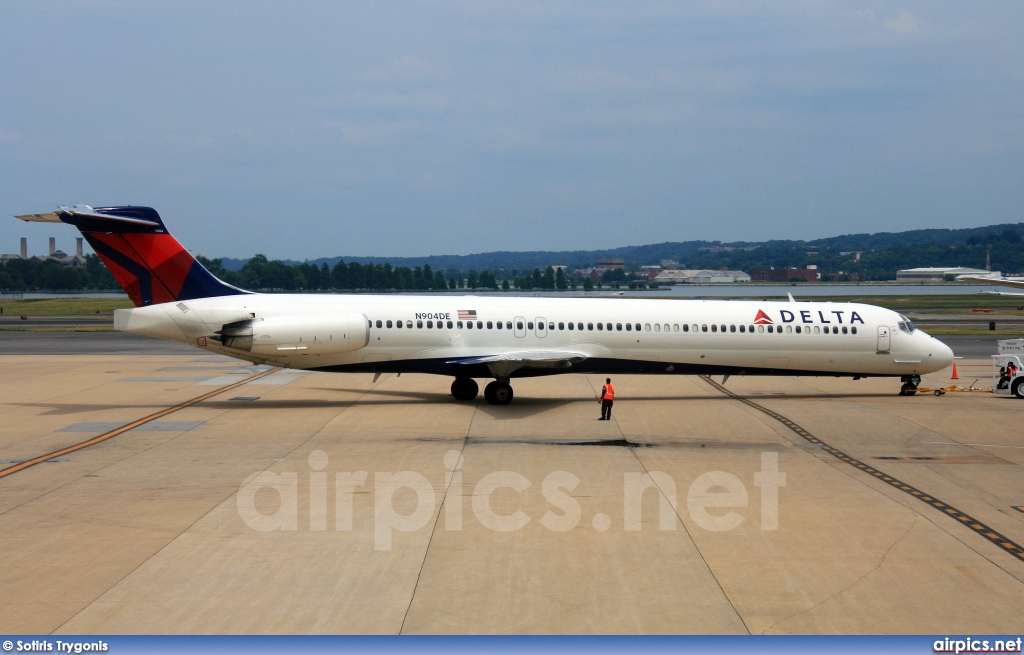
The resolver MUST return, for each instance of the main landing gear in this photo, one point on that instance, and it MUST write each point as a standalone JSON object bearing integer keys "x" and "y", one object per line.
{"x": 910, "y": 384}
{"x": 465, "y": 388}
{"x": 496, "y": 393}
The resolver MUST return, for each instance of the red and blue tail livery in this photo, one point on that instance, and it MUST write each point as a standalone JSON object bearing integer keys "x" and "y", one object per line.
{"x": 150, "y": 264}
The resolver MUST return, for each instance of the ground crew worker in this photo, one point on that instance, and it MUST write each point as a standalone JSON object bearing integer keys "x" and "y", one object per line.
{"x": 607, "y": 397}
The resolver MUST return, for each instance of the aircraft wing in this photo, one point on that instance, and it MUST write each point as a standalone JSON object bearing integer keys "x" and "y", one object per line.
{"x": 503, "y": 364}
{"x": 1005, "y": 282}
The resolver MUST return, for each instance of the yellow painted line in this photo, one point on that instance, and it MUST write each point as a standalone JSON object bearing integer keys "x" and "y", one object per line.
{"x": 977, "y": 526}
{"x": 131, "y": 426}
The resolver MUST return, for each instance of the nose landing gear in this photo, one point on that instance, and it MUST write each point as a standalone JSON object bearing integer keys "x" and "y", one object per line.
{"x": 910, "y": 384}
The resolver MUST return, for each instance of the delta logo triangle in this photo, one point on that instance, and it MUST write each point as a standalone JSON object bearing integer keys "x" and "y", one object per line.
{"x": 762, "y": 318}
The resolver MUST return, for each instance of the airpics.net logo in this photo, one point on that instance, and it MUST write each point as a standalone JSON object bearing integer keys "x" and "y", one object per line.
{"x": 405, "y": 501}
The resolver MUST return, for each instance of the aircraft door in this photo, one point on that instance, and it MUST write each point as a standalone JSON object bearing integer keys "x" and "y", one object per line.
{"x": 883, "y": 338}
{"x": 542, "y": 327}
{"x": 519, "y": 323}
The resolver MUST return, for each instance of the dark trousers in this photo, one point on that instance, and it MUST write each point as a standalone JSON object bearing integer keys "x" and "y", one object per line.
{"x": 606, "y": 409}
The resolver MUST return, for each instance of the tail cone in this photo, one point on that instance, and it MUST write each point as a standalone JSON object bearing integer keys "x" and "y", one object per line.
{"x": 955, "y": 376}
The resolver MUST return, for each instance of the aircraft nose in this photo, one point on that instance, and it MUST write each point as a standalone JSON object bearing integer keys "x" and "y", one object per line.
{"x": 942, "y": 354}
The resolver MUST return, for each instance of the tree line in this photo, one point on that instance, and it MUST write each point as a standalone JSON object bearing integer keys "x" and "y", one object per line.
{"x": 1005, "y": 248}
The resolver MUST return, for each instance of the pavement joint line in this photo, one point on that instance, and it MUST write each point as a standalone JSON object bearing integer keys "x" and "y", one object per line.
{"x": 130, "y": 426}
{"x": 1003, "y": 542}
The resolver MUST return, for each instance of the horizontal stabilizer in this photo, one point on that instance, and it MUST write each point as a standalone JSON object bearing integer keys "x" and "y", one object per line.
{"x": 68, "y": 214}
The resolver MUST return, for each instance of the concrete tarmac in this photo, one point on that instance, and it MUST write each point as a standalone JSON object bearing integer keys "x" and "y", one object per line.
{"x": 244, "y": 513}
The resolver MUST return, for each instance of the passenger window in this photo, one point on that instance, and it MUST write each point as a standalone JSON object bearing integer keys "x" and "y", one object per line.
{"x": 732, "y": 328}
{"x": 760, "y": 328}
{"x": 498, "y": 325}
{"x": 459, "y": 324}
{"x": 490, "y": 325}
{"x": 600, "y": 326}
{"x": 419, "y": 324}
{"x": 519, "y": 325}
{"x": 579, "y": 326}
{"x": 449, "y": 325}
{"x": 479, "y": 325}
{"x": 440, "y": 325}
{"x": 571, "y": 326}
{"x": 694, "y": 327}
{"x": 469, "y": 325}
{"x": 430, "y": 324}
{"x": 398, "y": 324}
{"x": 798, "y": 329}
{"x": 844, "y": 329}
{"x": 408, "y": 324}
{"x": 380, "y": 323}
{"x": 590, "y": 326}
{"x": 629, "y": 327}
{"x": 529, "y": 325}
{"x": 686, "y": 327}
{"x": 771, "y": 329}
{"x": 853, "y": 330}
{"x": 508, "y": 325}
{"x": 723, "y": 328}
{"x": 714, "y": 328}
{"x": 618, "y": 327}
{"x": 743, "y": 328}
{"x": 551, "y": 326}
{"x": 835, "y": 330}
{"x": 637, "y": 327}
{"x": 657, "y": 327}
{"x": 388, "y": 324}
{"x": 608, "y": 326}
{"x": 647, "y": 327}
{"x": 704, "y": 328}
{"x": 675, "y": 327}
{"x": 816, "y": 329}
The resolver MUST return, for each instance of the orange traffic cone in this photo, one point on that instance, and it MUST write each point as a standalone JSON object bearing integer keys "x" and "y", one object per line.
{"x": 955, "y": 376}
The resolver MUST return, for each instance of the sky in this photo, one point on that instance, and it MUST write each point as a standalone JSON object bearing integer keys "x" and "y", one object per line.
{"x": 315, "y": 129}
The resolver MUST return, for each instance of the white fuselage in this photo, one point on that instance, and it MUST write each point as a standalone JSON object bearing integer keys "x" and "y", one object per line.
{"x": 361, "y": 333}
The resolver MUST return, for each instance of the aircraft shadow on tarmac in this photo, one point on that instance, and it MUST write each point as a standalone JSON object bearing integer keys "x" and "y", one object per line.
{"x": 371, "y": 397}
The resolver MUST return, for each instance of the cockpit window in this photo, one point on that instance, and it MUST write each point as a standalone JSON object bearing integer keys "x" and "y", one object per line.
{"x": 905, "y": 325}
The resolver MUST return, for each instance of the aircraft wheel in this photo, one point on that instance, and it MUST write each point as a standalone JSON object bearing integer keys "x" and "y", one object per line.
{"x": 908, "y": 389}
{"x": 1018, "y": 389}
{"x": 498, "y": 394}
{"x": 465, "y": 389}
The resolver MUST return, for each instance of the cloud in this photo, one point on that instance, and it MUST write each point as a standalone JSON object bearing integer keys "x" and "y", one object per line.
{"x": 904, "y": 23}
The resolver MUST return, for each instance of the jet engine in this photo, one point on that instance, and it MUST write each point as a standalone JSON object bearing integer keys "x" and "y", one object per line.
{"x": 281, "y": 335}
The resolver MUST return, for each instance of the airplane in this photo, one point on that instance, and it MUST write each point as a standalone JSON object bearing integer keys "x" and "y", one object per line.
{"x": 501, "y": 338}
{"x": 1015, "y": 282}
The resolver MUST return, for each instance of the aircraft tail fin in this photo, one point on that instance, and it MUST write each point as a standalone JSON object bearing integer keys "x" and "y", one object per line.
{"x": 149, "y": 264}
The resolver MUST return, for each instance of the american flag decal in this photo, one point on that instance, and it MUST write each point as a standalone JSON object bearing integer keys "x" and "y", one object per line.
{"x": 467, "y": 314}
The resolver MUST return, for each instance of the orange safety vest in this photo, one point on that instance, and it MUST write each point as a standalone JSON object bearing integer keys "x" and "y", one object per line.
{"x": 608, "y": 393}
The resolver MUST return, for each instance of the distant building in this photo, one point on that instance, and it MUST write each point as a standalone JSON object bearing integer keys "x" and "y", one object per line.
{"x": 610, "y": 264}
{"x": 77, "y": 260}
{"x": 809, "y": 274}
{"x": 938, "y": 274}
{"x": 677, "y": 276}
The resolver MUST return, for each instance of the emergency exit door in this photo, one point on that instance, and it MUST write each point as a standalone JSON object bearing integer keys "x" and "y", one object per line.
{"x": 883, "y": 338}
